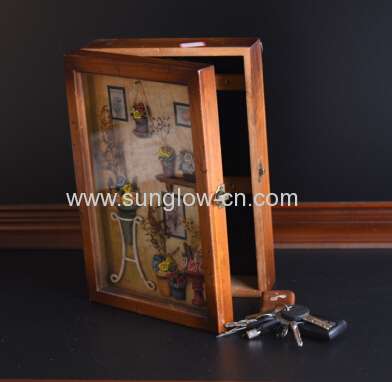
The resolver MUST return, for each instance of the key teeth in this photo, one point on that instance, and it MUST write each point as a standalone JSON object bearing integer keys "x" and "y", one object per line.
{"x": 297, "y": 335}
{"x": 315, "y": 321}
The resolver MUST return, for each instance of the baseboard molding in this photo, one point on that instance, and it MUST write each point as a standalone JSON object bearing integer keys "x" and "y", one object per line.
{"x": 333, "y": 225}
{"x": 40, "y": 227}
{"x": 309, "y": 225}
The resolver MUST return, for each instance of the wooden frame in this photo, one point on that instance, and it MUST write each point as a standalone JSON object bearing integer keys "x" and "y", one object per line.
{"x": 252, "y": 82}
{"x": 206, "y": 144}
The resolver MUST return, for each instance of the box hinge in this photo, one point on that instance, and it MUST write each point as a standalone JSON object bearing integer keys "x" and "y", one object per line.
{"x": 221, "y": 196}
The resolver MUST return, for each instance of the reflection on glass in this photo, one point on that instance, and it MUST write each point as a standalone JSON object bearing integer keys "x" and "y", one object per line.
{"x": 143, "y": 164}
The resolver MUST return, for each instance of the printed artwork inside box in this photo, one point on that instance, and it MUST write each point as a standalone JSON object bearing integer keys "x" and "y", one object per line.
{"x": 145, "y": 249}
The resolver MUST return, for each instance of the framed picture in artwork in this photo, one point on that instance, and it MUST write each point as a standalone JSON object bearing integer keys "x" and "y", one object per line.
{"x": 174, "y": 215}
{"x": 182, "y": 114}
{"x": 118, "y": 103}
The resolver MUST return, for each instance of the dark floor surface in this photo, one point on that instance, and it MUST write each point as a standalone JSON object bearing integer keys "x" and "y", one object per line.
{"x": 50, "y": 330}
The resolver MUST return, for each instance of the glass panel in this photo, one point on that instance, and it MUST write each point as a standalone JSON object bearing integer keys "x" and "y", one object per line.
{"x": 142, "y": 154}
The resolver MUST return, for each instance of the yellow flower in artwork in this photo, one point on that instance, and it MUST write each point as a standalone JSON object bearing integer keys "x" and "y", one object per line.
{"x": 169, "y": 261}
{"x": 165, "y": 152}
{"x": 127, "y": 197}
{"x": 163, "y": 266}
{"x": 127, "y": 188}
{"x": 136, "y": 114}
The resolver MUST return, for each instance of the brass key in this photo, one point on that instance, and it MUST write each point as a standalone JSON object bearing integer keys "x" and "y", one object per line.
{"x": 298, "y": 313}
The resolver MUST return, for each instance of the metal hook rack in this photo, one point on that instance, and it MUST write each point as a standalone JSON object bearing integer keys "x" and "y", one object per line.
{"x": 116, "y": 278}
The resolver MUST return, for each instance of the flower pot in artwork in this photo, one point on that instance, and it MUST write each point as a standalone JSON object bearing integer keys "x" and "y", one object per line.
{"x": 197, "y": 280}
{"x": 168, "y": 171}
{"x": 163, "y": 284}
{"x": 142, "y": 130}
{"x": 142, "y": 125}
{"x": 127, "y": 212}
{"x": 178, "y": 292}
{"x": 190, "y": 177}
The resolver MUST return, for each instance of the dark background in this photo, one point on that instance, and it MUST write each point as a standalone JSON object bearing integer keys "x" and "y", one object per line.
{"x": 327, "y": 71}
{"x": 49, "y": 329}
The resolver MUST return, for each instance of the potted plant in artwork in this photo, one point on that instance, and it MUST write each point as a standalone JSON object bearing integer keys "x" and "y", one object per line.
{"x": 124, "y": 194}
{"x": 192, "y": 261}
{"x": 166, "y": 155}
{"x": 177, "y": 281}
{"x": 140, "y": 114}
{"x": 163, "y": 262}
{"x": 186, "y": 164}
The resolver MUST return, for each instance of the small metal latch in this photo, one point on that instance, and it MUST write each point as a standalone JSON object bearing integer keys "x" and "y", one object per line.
{"x": 261, "y": 171}
{"x": 220, "y": 196}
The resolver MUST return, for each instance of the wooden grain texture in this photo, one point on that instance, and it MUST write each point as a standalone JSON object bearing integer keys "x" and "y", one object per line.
{"x": 40, "y": 227}
{"x": 259, "y": 152}
{"x": 205, "y": 133}
{"x": 333, "y": 225}
{"x": 170, "y": 47}
{"x": 209, "y": 174}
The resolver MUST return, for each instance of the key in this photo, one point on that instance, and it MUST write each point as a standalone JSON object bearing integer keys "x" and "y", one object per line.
{"x": 240, "y": 323}
{"x": 266, "y": 327}
{"x": 313, "y": 331}
{"x": 295, "y": 330}
{"x": 298, "y": 313}
{"x": 282, "y": 331}
{"x": 228, "y": 332}
{"x": 293, "y": 326}
{"x": 272, "y": 312}
{"x": 285, "y": 326}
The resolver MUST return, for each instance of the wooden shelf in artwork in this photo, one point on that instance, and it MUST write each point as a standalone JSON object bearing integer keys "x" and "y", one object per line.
{"x": 233, "y": 184}
{"x": 170, "y": 182}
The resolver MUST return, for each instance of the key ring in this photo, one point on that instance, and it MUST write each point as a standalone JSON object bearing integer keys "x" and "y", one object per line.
{"x": 287, "y": 307}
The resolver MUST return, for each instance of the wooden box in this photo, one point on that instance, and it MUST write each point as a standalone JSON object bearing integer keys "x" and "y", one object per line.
{"x": 245, "y": 84}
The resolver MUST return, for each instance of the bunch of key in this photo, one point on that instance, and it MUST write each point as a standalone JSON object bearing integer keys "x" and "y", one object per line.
{"x": 280, "y": 320}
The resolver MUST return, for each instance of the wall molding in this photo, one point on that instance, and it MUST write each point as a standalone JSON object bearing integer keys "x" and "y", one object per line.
{"x": 309, "y": 225}
{"x": 333, "y": 225}
{"x": 40, "y": 227}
